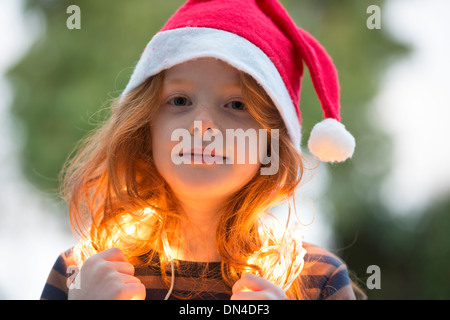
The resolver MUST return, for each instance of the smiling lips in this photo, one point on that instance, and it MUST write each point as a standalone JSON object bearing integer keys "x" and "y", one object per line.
{"x": 199, "y": 153}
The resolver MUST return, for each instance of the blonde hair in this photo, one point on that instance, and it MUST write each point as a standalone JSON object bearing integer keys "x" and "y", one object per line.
{"x": 106, "y": 185}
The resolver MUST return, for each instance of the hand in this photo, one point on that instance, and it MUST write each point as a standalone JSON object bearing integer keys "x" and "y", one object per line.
{"x": 107, "y": 275}
{"x": 252, "y": 287}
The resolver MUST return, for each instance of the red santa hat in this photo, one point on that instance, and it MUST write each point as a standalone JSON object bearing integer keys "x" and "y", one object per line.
{"x": 259, "y": 38}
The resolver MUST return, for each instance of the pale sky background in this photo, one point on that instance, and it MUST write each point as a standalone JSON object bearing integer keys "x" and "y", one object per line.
{"x": 412, "y": 106}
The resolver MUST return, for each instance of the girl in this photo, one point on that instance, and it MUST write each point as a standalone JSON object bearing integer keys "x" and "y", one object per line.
{"x": 163, "y": 218}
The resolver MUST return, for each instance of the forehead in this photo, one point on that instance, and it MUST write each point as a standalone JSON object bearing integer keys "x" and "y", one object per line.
{"x": 203, "y": 70}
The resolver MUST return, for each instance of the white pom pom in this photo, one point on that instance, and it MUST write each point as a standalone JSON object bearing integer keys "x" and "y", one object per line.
{"x": 331, "y": 142}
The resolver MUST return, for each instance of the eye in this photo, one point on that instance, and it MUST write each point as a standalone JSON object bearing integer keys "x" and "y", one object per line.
{"x": 236, "y": 105}
{"x": 179, "y": 101}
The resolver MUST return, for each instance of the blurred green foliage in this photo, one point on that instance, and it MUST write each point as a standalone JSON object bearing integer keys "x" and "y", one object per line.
{"x": 68, "y": 75}
{"x": 63, "y": 84}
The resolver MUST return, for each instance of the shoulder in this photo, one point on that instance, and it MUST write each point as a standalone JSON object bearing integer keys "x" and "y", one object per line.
{"x": 56, "y": 286}
{"x": 325, "y": 276}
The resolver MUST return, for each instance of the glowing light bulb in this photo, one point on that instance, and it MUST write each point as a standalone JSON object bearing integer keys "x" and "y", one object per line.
{"x": 281, "y": 255}
{"x": 130, "y": 230}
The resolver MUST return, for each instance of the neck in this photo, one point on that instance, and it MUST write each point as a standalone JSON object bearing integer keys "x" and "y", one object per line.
{"x": 198, "y": 231}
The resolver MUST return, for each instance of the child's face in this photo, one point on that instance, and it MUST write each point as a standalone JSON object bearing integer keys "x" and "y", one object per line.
{"x": 206, "y": 90}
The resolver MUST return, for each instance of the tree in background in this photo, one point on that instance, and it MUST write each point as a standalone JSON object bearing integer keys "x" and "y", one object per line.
{"x": 64, "y": 84}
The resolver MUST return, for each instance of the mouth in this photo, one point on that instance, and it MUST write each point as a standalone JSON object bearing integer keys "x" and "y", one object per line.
{"x": 201, "y": 153}
{"x": 199, "y": 156}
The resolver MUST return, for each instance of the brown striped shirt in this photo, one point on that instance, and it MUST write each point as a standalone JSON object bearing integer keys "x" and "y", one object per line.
{"x": 325, "y": 277}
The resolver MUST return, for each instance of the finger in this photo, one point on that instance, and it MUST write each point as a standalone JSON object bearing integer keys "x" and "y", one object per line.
{"x": 274, "y": 293}
{"x": 249, "y": 295}
{"x": 122, "y": 267}
{"x": 251, "y": 282}
{"x": 134, "y": 291}
{"x": 239, "y": 286}
{"x": 113, "y": 254}
{"x": 126, "y": 279}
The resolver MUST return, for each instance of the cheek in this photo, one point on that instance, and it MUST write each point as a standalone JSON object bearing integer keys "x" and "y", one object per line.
{"x": 249, "y": 149}
{"x": 161, "y": 144}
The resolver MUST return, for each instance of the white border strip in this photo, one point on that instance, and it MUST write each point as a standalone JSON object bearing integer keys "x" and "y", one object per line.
{"x": 169, "y": 48}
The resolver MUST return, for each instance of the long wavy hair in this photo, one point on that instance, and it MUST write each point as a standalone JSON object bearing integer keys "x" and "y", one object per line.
{"x": 117, "y": 198}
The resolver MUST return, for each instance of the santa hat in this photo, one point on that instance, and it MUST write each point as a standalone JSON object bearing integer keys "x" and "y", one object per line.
{"x": 259, "y": 38}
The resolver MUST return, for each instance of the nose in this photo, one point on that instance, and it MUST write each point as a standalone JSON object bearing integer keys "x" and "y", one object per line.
{"x": 199, "y": 127}
{"x": 203, "y": 122}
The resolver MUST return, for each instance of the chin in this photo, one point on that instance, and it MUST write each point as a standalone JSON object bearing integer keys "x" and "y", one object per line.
{"x": 205, "y": 185}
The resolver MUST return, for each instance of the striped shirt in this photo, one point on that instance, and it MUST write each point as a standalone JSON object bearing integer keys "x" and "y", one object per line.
{"x": 324, "y": 277}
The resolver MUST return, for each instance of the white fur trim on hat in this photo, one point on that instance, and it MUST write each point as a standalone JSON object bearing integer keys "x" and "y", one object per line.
{"x": 169, "y": 48}
{"x": 331, "y": 142}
